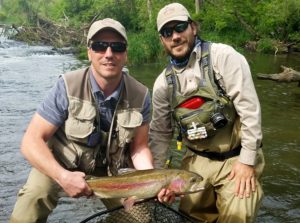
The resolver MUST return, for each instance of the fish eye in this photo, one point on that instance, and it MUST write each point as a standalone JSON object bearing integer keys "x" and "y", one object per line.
{"x": 193, "y": 180}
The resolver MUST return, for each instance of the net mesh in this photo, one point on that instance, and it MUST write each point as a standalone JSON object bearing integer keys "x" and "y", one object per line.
{"x": 144, "y": 212}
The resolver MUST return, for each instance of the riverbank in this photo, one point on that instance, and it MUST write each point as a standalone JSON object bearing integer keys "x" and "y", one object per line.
{"x": 65, "y": 38}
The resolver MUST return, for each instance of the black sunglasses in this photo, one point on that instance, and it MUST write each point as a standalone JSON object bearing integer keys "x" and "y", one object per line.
{"x": 179, "y": 28}
{"x": 101, "y": 46}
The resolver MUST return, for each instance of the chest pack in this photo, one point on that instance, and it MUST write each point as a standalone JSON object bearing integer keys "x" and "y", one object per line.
{"x": 206, "y": 110}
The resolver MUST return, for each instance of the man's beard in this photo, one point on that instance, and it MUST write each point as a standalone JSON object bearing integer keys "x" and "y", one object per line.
{"x": 183, "y": 57}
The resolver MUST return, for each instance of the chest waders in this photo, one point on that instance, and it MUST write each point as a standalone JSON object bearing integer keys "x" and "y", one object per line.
{"x": 80, "y": 143}
{"x": 205, "y": 118}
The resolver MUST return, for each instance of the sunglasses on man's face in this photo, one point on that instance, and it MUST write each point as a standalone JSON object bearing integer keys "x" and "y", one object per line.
{"x": 179, "y": 28}
{"x": 100, "y": 46}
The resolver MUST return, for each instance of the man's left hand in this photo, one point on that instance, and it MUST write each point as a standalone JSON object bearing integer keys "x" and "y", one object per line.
{"x": 245, "y": 180}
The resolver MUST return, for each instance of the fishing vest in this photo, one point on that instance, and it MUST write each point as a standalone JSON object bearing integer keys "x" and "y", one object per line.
{"x": 80, "y": 143}
{"x": 213, "y": 125}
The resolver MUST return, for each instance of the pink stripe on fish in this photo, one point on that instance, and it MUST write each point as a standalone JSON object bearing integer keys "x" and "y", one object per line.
{"x": 122, "y": 185}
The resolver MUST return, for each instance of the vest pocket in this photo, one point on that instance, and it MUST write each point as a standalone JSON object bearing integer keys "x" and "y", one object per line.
{"x": 80, "y": 123}
{"x": 64, "y": 152}
{"x": 127, "y": 121}
{"x": 67, "y": 157}
{"x": 196, "y": 124}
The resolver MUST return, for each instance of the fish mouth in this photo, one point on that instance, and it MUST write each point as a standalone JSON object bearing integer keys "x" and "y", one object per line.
{"x": 198, "y": 189}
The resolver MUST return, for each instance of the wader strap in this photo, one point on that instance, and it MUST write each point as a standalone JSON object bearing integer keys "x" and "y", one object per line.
{"x": 172, "y": 84}
{"x": 204, "y": 63}
{"x": 206, "y": 67}
{"x": 218, "y": 156}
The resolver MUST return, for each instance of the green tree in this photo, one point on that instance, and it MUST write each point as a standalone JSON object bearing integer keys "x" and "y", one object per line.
{"x": 235, "y": 22}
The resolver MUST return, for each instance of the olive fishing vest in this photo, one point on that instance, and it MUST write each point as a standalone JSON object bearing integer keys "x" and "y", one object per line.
{"x": 80, "y": 143}
{"x": 214, "y": 125}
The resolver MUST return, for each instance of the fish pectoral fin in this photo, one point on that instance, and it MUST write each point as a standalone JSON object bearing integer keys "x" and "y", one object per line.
{"x": 128, "y": 202}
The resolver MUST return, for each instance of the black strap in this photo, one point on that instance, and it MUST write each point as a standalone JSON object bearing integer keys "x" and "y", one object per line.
{"x": 218, "y": 156}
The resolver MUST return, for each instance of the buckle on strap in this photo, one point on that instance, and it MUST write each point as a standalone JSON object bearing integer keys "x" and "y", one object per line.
{"x": 218, "y": 156}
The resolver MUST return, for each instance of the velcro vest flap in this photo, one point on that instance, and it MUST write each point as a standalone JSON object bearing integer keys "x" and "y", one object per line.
{"x": 129, "y": 118}
{"x": 81, "y": 117}
{"x": 83, "y": 110}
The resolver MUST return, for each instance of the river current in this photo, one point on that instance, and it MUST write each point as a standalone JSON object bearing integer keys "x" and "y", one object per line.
{"x": 28, "y": 72}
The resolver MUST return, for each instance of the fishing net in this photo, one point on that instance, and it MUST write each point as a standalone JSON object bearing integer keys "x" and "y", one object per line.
{"x": 142, "y": 212}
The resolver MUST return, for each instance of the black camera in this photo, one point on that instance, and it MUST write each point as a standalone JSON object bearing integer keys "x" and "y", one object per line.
{"x": 218, "y": 120}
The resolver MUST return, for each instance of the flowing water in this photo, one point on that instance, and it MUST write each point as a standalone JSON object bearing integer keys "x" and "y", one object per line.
{"x": 28, "y": 72}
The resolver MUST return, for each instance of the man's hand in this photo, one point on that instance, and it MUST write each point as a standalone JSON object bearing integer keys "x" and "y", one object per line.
{"x": 74, "y": 184}
{"x": 166, "y": 196}
{"x": 245, "y": 180}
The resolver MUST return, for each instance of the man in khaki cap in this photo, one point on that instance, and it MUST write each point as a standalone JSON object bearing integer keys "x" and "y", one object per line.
{"x": 207, "y": 92}
{"x": 93, "y": 121}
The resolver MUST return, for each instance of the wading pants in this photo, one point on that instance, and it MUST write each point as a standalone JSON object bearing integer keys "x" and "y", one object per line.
{"x": 217, "y": 203}
{"x": 38, "y": 197}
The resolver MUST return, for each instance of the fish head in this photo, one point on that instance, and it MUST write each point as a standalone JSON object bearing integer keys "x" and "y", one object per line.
{"x": 186, "y": 182}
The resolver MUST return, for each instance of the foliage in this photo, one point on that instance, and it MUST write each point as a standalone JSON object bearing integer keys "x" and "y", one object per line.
{"x": 265, "y": 46}
{"x": 275, "y": 19}
{"x": 143, "y": 46}
{"x": 220, "y": 19}
{"x": 235, "y": 22}
{"x": 281, "y": 18}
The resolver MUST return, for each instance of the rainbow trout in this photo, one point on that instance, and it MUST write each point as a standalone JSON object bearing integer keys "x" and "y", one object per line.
{"x": 142, "y": 184}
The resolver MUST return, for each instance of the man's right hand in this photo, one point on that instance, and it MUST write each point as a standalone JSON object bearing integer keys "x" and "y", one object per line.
{"x": 166, "y": 196}
{"x": 74, "y": 184}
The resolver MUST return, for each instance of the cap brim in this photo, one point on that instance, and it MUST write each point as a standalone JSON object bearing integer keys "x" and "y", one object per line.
{"x": 176, "y": 18}
{"x": 106, "y": 24}
{"x": 109, "y": 28}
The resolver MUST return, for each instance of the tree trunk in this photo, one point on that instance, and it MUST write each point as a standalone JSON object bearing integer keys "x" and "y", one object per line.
{"x": 287, "y": 75}
{"x": 248, "y": 28}
{"x": 198, "y": 4}
{"x": 149, "y": 8}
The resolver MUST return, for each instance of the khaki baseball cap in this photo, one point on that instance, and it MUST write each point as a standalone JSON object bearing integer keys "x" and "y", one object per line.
{"x": 107, "y": 23}
{"x": 171, "y": 12}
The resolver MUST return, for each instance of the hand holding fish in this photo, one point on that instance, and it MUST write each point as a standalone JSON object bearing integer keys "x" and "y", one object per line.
{"x": 166, "y": 196}
{"x": 74, "y": 184}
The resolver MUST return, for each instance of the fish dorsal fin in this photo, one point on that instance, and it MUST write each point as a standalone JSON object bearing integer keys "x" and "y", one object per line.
{"x": 89, "y": 177}
{"x": 126, "y": 171}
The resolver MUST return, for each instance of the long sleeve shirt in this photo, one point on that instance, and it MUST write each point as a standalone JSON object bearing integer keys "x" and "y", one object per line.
{"x": 233, "y": 74}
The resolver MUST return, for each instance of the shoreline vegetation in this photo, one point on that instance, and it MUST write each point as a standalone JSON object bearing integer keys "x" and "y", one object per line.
{"x": 271, "y": 26}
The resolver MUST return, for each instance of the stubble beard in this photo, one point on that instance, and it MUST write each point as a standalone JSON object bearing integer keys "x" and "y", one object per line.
{"x": 187, "y": 49}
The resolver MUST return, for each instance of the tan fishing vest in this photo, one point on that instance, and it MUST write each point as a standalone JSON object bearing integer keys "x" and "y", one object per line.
{"x": 197, "y": 127}
{"x": 69, "y": 143}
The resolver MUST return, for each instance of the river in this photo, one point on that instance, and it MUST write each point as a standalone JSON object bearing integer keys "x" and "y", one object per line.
{"x": 28, "y": 72}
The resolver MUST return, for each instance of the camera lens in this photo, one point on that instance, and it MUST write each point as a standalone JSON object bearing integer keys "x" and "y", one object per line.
{"x": 218, "y": 120}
